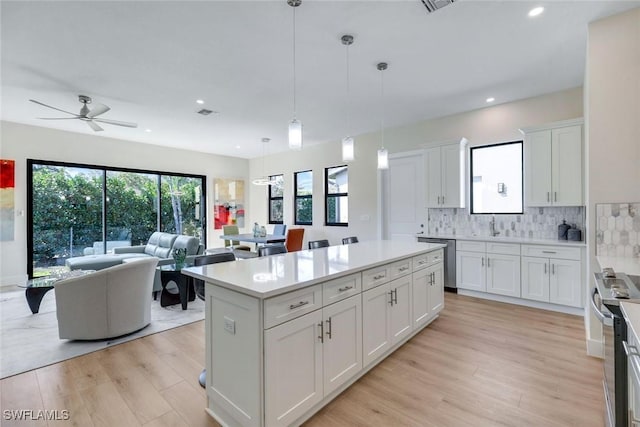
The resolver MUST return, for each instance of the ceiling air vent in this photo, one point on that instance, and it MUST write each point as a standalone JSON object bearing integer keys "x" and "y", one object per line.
{"x": 433, "y": 5}
{"x": 206, "y": 112}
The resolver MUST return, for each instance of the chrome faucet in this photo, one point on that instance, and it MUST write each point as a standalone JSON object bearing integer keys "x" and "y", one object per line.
{"x": 492, "y": 227}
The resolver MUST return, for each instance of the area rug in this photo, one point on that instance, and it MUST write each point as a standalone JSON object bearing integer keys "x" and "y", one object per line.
{"x": 29, "y": 341}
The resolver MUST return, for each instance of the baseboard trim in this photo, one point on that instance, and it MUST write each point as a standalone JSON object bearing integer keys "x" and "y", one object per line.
{"x": 525, "y": 302}
{"x": 595, "y": 348}
{"x": 20, "y": 279}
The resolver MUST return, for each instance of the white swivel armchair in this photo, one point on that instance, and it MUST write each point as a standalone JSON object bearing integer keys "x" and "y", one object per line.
{"x": 108, "y": 303}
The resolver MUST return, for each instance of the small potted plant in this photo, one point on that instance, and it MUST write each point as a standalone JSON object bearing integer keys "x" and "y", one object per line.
{"x": 179, "y": 255}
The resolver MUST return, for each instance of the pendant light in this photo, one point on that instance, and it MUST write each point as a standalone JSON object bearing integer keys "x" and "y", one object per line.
{"x": 295, "y": 125}
{"x": 348, "y": 149}
{"x": 264, "y": 180}
{"x": 383, "y": 154}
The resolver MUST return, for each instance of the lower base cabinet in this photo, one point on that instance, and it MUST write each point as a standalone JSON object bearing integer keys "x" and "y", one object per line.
{"x": 309, "y": 357}
{"x": 427, "y": 294}
{"x": 552, "y": 280}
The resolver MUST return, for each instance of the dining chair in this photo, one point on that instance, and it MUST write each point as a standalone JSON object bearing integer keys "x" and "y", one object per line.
{"x": 279, "y": 229}
{"x": 272, "y": 250}
{"x": 315, "y": 244}
{"x": 347, "y": 240}
{"x": 231, "y": 230}
{"x": 293, "y": 241}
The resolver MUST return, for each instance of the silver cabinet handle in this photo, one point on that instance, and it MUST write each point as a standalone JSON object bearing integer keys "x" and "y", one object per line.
{"x": 395, "y": 296}
{"x": 545, "y": 268}
{"x": 596, "y": 310}
{"x": 346, "y": 288}
{"x": 405, "y": 268}
{"x": 379, "y": 276}
{"x": 321, "y": 336}
{"x": 488, "y": 262}
{"x": 555, "y": 196}
{"x": 483, "y": 261}
{"x": 329, "y": 327}
{"x": 548, "y": 197}
{"x": 298, "y": 305}
{"x": 391, "y": 298}
{"x": 433, "y": 278}
{"x": 553, "y": 269}
{"x": 422, "y": 261}
{"x": 548, "y": 252}
{"x": 443, "y": 200}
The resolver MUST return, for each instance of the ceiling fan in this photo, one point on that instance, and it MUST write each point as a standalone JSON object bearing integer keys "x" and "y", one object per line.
{"x": 87, "y": 115}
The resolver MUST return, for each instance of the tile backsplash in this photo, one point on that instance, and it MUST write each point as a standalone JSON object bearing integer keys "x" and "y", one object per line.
{"x": 535, "y": 223}
{"x": 618, "y": 229}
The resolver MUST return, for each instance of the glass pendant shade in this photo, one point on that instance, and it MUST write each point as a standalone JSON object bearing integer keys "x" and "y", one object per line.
{"x": 383, "y": 159}
{"x": 348, "y": 152}
{"x": 295, "y": 134}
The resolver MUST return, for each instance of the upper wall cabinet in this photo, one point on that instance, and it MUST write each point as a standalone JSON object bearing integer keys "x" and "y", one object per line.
{"x": 553, "y": 164}
{"x": 444, "y": 173}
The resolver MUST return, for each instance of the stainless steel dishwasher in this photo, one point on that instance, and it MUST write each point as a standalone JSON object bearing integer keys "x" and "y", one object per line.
{"x": 449, "y": 261}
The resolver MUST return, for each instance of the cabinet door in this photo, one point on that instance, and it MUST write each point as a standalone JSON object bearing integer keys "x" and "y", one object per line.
{"x": 566, "y": 166}
{"x": 293, "y": 368}
{"x": 420, "y": 296}
{"x": 433, "y": 177}
{"x": 564, "y": 284}
{"x": 436, "y": 290}
{"x": 452, "y": 179}
{"x": 342, "y": 350}
{"x": 535, "y": 278}
{"x": 375, "y": 323}
{"x": 538, "y": 168}
{"x": 401, "y": 321}
{"x": 503, "y": 274}
{"x": 470, "y": 271}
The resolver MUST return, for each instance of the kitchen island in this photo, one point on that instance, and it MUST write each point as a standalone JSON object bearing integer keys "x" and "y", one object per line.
{"x": 285, "y": 334}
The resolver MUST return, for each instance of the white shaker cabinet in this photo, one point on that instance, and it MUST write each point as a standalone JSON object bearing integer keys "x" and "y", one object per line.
{"x": 503, "y": 274}
{"x": 470, "y": 271}
{"x": 488, "y": 267}
{"x": 444, "y": 174}
{"x": 436, "y": 289}
{"x": 554, "y": 164}
{"x": 565, "y": 285}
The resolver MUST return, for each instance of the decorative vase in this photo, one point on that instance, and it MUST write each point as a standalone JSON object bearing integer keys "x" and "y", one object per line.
{"x": 179, "y": 256}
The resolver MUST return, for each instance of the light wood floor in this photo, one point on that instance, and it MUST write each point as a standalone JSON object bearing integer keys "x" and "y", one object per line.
{"x": 481, "y": 363}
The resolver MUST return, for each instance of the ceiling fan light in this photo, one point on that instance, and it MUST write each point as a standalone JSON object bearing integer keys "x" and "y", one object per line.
{"x": 295, "y": 134}
{"x": 383, "y": 159}
{"x": 348, "y": 149}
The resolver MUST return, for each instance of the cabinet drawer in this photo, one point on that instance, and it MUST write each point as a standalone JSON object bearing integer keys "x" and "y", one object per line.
{"x": 425, "y": 260}
{"x": 375, "y": 276}
{"x": 339, "y": 289}
{"x": 503, "y": 248}
{"x": 470, "y": 246}
{"x": 399, "y": 268}
{"x": 291, "y": 305}
{"x": 551, "y": 252}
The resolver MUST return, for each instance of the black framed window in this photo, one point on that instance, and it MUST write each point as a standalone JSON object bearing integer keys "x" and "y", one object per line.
{"x": 276, "y": 199}
{"x": 76, "y": 209}
{"x": 336, "y": 190}
{"x": 303, "y": 185}
{"x": 497, "y": 178}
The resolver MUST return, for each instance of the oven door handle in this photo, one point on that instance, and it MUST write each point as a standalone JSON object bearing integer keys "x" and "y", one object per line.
{"x": 602, "y": 317}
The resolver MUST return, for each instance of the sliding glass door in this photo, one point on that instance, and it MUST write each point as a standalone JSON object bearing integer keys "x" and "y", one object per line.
{"x": 77, "y": 210}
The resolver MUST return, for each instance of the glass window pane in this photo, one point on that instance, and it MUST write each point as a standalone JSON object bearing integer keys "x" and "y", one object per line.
{"x": 276, "y": 211}
{"x": 277, "y": 189}
{"x": 67, "y": 214}
{"x": 304, "y": 183}
{"x": 496, "y": 173}
{"x": 304, "y": 210}
{"x": 337, "y": 180}
{"x": 337, "y": 209}
{"x": 181, "y": 205}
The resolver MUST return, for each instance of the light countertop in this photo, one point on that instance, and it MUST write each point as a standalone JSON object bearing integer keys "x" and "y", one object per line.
{"x": 631, "y": 312}
{"x": 524, "y": 240}
{"x": 273, "y": 275}
{"x": 620, "y": 264}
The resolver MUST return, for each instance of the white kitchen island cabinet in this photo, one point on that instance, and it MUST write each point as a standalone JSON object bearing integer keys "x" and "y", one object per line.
{"x": 285, "y": 334}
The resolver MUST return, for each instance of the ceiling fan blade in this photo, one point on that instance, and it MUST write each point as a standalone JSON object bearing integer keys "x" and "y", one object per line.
{"x": 117, "y": 122}
{"x": 97, "y": 110}
{"x": 49, "y": 106}
{"x": 58, "y": 118}
{"x": 94, "y": 126}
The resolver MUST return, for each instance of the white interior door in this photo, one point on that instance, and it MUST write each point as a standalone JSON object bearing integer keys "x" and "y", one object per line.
{"x": 403, "y": 197}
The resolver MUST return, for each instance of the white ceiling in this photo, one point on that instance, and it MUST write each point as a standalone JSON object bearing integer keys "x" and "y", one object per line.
{"x": 149, "y": 61}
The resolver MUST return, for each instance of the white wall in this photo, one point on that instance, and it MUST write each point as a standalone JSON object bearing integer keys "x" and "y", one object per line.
{"x": 612, "y": 116}
{"x": 20, "y": 142}
{"x": 497, "y": 123}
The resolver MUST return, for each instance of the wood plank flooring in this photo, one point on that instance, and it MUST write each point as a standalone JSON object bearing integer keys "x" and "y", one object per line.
{"x": 482, "y": 363}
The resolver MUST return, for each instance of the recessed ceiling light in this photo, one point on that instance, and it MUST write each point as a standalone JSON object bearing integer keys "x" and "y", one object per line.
{"x": 491, "y": 99}
{"x": 536, "y": 11}
{"x": 147, "y": 130}
{"x": 237, "y": 146}
{"x": 199, "y": 101}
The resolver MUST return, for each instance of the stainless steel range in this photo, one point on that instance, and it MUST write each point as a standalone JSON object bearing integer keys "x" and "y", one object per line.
{"x": 610, "y": 289}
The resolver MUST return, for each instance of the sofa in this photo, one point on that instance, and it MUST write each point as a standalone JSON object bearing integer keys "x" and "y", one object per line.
{"x": 109, "y": 303}
{"x": 160, "y": 245}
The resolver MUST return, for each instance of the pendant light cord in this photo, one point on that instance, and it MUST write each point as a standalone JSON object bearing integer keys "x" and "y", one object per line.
{"x": 294, "y": 64}
{"x": 382, "y": 108}
{"x": 348, "y": 115}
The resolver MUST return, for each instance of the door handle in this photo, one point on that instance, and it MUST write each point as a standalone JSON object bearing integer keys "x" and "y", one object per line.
{"x": 548, "y": 197}
{"x": 488, "y": 262}
{"x": 555, "y": 196}
{"x": 391, "y": 298}
{"x": 329, "y": 327}
{"x": 346, "y": 288}
{"x": 553, "y": 269}
{"x": 395, "y": 296}
{"x": 483, "y": 261}
{"x": 545, "y": 268}
{"x": 594, "y": 307}
{"x": 321, "y": 336}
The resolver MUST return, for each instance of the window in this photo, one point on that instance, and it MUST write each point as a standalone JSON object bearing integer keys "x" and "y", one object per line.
{"x": 303, "y": 184}
{"x": 76, "y": 209}
{"x": 496, "y": 179}
{"x": 276, "y": 192}
{"x": 336, "y": 190}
